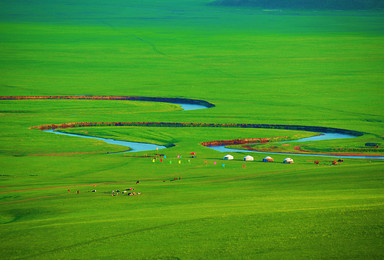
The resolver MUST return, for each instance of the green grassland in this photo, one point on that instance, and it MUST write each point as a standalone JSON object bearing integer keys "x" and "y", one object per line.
{"x": 291, "y": 67}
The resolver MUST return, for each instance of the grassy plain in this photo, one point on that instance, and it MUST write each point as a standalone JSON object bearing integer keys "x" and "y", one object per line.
{"x": 308, "y": 68}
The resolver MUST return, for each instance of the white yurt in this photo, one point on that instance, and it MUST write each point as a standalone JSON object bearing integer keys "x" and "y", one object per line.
{"x": 248, "y": 158}
{"x": 228, "y": 157}
{"x": 268, "y": 159}
{"x": 288, "y": 160}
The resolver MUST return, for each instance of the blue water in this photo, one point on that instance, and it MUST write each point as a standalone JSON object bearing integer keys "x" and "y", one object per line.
{"x": 140, "y": 147}
{"x": 136, "y": 147}
{"x": 323, "y": 136}
{"x": 223, "y": 149}
{"x": 190, "y": 106}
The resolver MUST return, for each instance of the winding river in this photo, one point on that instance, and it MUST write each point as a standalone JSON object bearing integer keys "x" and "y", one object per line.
{"x": 192, "y": 104}
{"x": 323, "y": 136}
{"x": 140, "y": 147}
{"x": 134, "y": 146}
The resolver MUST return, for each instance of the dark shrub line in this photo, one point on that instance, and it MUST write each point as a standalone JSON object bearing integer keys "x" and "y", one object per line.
{"x": 152, "y": 99}
{"x": 169, "y": 124}
{"x": 242, "y": 141}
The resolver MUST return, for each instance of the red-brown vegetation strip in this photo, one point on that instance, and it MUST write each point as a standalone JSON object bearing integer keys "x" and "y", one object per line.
{"x": 298, "y": 148}
{"x": 241, "y": 141}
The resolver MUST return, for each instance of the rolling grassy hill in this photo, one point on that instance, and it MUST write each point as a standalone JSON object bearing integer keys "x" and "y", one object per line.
{"x": 298, "y": 67}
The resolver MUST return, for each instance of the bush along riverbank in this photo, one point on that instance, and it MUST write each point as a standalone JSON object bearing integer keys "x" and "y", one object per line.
{"x": 243, "y": 141}
{"x": 132, "y": 98}
{"x": 170, "y": 124}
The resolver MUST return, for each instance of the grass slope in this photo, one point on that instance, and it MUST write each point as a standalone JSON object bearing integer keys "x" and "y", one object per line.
{"x": 308, "y": 68}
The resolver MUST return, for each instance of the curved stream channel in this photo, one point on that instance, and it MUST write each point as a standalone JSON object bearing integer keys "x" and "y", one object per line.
{"x": 140, "y": 147}
{"x": 323, "y": 136}
{"x": 134, "y": 146}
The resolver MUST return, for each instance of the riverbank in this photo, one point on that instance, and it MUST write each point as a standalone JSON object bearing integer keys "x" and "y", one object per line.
{"x": 132, "y": 98}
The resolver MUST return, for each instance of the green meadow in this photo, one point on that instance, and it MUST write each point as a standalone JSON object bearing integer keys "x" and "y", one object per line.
{"x": 294, "y": 67}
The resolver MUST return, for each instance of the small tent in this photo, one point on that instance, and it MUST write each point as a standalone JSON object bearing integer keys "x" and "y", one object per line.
{"x": 288, "y": 160}
{"x": 248, "y": 158}
{"x": 228, "y": 157}
{"x": 268, "y": 159}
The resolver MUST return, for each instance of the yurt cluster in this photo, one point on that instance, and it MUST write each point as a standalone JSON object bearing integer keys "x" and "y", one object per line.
{"x": 250, "y": 158}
